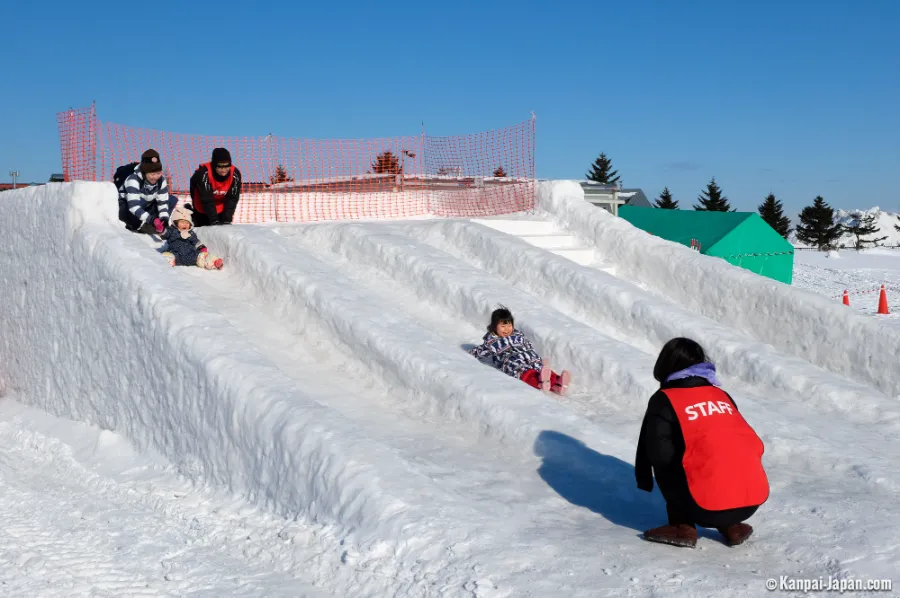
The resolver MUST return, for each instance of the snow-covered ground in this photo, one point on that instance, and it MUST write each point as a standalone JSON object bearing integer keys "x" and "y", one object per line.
{"x": 860, "y": 273}
{"x": 307, "y": 422}
{"x": 86, "y": 515}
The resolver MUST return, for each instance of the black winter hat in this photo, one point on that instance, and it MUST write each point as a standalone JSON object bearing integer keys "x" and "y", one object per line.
{"x": 220, "y": 155}
{"x": 150, "y": 161}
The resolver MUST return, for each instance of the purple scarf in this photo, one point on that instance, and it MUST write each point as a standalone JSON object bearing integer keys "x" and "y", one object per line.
{"x": 703, "y": 370}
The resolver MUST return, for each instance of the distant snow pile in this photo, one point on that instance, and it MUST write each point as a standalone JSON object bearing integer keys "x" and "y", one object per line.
{"x": 884, "y": 220}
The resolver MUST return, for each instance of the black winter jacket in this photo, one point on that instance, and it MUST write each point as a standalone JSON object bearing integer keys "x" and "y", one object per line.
{"x": 202, "y": 193}
{"x": 186, "y": 251}
{"x": 661, "y": 443}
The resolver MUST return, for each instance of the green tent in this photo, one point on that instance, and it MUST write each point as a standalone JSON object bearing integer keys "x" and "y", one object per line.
{"x": 740, "y": 238}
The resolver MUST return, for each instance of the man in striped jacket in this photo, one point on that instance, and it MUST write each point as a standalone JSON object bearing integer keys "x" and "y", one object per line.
{"x": 147, "y": 196}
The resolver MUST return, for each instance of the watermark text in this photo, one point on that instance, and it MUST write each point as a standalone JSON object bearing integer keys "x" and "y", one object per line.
{"x": 786, "y": 583}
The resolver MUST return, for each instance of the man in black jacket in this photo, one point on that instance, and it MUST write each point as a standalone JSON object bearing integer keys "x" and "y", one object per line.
{"x": 215, "y": 190}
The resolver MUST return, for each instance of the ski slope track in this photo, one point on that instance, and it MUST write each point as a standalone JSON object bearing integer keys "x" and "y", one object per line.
{"x": 312, "y": 412}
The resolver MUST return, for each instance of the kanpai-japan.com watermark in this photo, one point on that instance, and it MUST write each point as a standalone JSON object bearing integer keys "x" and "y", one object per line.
{"x": 827, "y": 584}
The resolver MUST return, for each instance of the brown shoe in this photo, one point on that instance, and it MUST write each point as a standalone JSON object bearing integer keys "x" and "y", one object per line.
{"x": 736, "y": 534}
{"x": 676, "y": 535}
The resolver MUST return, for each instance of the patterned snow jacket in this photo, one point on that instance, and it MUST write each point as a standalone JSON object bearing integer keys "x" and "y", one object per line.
{"x": 184, "y": 245}
{"x": 144, "y": 198}
{"x": 513, "y": 355}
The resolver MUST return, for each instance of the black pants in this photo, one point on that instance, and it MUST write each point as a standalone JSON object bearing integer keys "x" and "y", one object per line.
{"x": 201, "y": 219}
{"x": 694, "y": 515}
{"x": 225, "y": 217}
{"x": 682, "y": 508}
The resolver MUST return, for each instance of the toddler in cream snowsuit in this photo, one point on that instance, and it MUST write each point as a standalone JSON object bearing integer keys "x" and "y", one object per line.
{"x": 183, "y": 247}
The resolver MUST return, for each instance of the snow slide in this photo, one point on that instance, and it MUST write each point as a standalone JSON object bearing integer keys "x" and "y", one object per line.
{"x": 321, "y": 377}
{"x": 422, "y": 292}
{"x": 797, "y": 322}
{"x": 96, "y": 331}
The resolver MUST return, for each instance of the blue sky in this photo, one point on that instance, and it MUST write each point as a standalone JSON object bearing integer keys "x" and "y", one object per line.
{"x": 792, "y": 97}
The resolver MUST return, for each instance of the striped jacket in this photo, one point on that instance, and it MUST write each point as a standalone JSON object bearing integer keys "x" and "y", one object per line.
{"x": 513, "y": 355}
{"x": 140, "y": 196}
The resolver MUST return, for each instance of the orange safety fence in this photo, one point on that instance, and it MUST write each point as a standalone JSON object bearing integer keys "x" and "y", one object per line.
{"x": 308, "y": 180}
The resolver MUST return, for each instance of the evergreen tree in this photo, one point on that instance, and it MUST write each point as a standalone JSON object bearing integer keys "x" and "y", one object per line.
{"x": 665, "y": 200}
{"x": 712, "y": 199}
{"x": 500, "y": 173}
{"x": 772, "y": 212}
{"x": 387, "y": 163}
{"x": 602, "y": 172}
{"x": 817, "y": 227}
{"x": 862, "y": 225}
{"x": 897, "y": 227}
{"x": 280, "y": 176}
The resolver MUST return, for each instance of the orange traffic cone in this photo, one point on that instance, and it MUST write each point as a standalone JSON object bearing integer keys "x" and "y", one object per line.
{"x": 882, "y": 302}
{"x": 846, "y": 298}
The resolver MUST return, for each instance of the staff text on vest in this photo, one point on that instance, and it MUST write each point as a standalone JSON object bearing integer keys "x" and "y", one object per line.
{"x": 707, "y": 408}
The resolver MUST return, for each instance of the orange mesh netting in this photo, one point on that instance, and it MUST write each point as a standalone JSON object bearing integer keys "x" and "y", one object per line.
{"x": 308, "y": 180}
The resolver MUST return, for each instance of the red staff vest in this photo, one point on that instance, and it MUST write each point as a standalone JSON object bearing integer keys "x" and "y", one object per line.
{"x": 722, "y": 454}
{"x": 219, "y": 189}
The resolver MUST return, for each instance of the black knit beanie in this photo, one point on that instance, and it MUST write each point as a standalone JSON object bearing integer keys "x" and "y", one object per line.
{"x": 150, "y": 162}
{"x": 220, "y": 156}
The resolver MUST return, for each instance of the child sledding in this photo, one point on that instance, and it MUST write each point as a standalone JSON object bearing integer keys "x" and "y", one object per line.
{"x": 513, "y": 354}
{"x": 183, "y": 247}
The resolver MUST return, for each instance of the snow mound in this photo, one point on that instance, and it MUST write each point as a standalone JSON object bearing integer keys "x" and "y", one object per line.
{"x": 885, "y": 221}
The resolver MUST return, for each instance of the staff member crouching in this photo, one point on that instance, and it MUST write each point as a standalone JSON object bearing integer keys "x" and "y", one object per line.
{"x": 706, "y": 459}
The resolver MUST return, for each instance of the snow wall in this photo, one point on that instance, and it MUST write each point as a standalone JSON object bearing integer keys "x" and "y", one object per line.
{"x": 94, "y": 330}
{"x": 801, "y": 323}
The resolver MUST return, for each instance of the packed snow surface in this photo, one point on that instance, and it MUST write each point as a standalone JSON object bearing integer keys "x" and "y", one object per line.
{"x": 307, "y": 421}
{"x": 860, "y": 273}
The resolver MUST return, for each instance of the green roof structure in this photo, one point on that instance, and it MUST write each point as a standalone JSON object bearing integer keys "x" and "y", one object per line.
{"x": 743, "y": 239}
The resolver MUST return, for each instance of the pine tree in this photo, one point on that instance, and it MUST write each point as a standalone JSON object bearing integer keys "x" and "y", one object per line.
{"x": 897, "y": 227}
{"x": 665, "y": 200}
{"x": 712, "y": 199}
{"x": 280, "y": 176}
{"x": 772, "y": 212}
{"x": 386, "y": 163}
{"x": 500, "y": 173}
{"x": 862, "y": 225}
{"x": 602, "y": 172}
{"x": 817, "y": 226}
